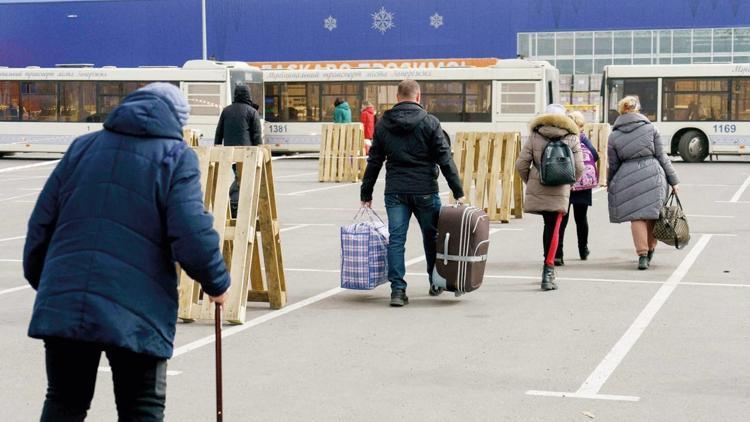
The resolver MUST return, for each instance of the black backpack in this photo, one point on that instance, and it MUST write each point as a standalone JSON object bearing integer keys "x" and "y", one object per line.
{"x": 557, "y": 166}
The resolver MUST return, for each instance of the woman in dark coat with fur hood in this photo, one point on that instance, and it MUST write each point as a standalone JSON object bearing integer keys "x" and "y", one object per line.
{"x": 549, "y": 201}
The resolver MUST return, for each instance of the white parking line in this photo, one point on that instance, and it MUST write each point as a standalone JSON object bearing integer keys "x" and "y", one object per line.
{"x": 594, "y": 383}
{"x": 740, "y": 191}
{"x": 7, "y": 239}
{"x": 11, "y": 260}
{"x": 18, "y": 179}
{"x": 302, "y": 192}
{"x": 28, "y": 166}
{"x": 289, "y": 176}
{"x": 109, "y": 369}
{"x": 19, "y": 196}
{"x": 14, "y": 289}
{"x": 709, "y": 216}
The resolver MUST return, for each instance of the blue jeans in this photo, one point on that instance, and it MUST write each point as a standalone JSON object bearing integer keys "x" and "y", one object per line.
{"x": 400, "y": 207}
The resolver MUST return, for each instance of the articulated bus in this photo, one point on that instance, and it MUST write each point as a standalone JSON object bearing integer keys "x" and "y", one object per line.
{"x": 699, "y": 109}
{"x": 500, "y": 97}
{"x": 45, "y": 109}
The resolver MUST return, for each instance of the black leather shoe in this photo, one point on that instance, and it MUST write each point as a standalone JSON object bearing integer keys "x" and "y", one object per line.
{"x": 399, "y": 298}
{"x": 643, "y": 262}
{"x": 650, "y": 256}
{"x": 584, "y": 253}
{"x": 559, "y": 262}
{"x": 548, "y": 278}
{"x": 435, "y": 290}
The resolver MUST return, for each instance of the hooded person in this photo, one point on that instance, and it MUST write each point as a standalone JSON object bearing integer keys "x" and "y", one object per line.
{"x": 239, "y": 123}
{"x": 341, "y": 112}
{"x": 549, "y": 201}
{"x": 411, "y": 143}
{"x": 120, "y": 209}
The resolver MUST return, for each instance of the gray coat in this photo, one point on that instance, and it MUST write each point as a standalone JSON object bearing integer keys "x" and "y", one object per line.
{"x": 640, "y": 172}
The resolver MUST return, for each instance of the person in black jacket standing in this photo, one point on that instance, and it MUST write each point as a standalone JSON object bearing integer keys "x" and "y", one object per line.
{"x": 239, "y": 123}
{"x": 412, "y": 144}
{"x": 239, "y": 126}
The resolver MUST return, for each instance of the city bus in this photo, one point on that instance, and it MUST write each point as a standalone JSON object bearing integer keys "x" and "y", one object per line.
{"x": 500, "y": 97}
{"x": 44, "y": 109}
{"x": 699, "y": 109}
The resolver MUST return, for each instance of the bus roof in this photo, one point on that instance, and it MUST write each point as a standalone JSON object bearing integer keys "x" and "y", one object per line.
{"x": 677, "y": 70}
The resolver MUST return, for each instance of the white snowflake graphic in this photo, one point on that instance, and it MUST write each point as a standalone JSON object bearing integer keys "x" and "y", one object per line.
{"x": 382, "y": 20}
{"x": 329, "y": 23}
{"x": 436, "y": 21}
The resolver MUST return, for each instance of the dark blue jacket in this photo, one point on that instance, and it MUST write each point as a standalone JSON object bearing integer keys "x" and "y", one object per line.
{"x": 119, "y": 209}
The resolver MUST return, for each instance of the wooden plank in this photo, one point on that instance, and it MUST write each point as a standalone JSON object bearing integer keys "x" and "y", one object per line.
{"x": 508, "y": 168}
{"x": 458, "y": 159}
{"x": 482, "y": 164}
{"x": 271, "y": 246}
{"x": 496, "y": 159}
{"x": 325, "y": 139}
{"x": 468, "y": 173}
{"x": 517, "y": 182}
{"x": 224, "y": 178}
{"x": 234, "y": 311}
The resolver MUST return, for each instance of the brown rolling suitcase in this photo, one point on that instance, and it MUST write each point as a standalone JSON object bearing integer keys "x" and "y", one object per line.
{"x": 462, "y": 244}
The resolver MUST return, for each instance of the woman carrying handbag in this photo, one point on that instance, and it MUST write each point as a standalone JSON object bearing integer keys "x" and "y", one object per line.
{"x": 640, "y": 174}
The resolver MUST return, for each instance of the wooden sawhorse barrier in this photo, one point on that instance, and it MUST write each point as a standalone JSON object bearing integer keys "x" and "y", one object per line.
{"x": 342, "y": 156}
{"x": 486, "y": 162}
{"x": 598, "y": 133}
{"x": 254, "y": 231}
{"x": 191, "y": 136}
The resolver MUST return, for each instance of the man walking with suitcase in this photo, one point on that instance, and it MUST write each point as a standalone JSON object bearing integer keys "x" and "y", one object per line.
{"x": 412, "y": 144}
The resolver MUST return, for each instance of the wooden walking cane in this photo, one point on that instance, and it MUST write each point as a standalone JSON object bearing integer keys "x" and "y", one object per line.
{"x": 219, "y": 404}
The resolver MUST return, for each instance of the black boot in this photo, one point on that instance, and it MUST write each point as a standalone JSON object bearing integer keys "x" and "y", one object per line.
{"x": 584, "y": 253}
{"x": 559, "y": 261}
{"x": 548, "y": 278}
{"x": 650, "y": 256}
{"x": 643, "y": 262}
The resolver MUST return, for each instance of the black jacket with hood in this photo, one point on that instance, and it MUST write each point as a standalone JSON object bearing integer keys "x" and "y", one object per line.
{"x": 412, "y": 144}
{"x": 239, "y": 124}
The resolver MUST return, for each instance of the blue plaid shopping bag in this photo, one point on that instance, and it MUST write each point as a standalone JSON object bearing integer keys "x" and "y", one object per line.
{"x": 364, "y": 264}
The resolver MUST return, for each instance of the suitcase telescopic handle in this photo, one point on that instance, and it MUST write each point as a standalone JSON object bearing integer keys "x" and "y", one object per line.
{"x": 445, "y": 248}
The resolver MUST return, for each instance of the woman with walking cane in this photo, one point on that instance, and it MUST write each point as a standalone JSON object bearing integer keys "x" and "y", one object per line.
{"x": 549, "y": 201}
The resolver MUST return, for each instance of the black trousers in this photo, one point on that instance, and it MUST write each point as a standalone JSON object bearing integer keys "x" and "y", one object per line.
{"x": 582, "y": 227}
{"x": 140, "y": 382}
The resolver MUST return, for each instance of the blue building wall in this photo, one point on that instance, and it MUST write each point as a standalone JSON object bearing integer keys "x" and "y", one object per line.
{"x": 151, "y": 32}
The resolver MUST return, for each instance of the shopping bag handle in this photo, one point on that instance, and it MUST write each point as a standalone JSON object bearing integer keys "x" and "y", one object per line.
{"x": 370, "y": 214}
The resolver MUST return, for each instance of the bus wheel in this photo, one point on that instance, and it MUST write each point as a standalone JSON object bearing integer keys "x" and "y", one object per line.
{"x": 693, "y": 146}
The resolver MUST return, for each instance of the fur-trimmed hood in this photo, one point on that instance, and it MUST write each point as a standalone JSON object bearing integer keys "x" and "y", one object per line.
{"x": 554, "y": 121}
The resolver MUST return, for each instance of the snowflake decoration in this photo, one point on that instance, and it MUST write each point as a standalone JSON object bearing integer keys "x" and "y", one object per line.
{"x": 329, "y": 23}
{"x": 436, "y": 21}
{"x": 382, "y": 20}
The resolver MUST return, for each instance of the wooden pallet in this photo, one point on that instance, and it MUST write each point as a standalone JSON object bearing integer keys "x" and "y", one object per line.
{"x": 486, "y": 163}
{"x": 342, "y": 153}
{"x": 598, "y": 133}
{"x": 251, "y": 237}
{"x": 191, "y": 136}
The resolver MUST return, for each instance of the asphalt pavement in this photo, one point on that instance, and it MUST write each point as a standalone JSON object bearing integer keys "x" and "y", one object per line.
{"x": 612, "y": 344}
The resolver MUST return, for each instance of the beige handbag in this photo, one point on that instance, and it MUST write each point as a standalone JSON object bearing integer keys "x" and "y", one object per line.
{"x": 672, "y": 226}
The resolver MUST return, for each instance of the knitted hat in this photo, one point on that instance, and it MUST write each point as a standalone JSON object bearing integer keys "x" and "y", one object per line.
{"x": 173, "y": 97}
{"x": 555, "y": 109}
